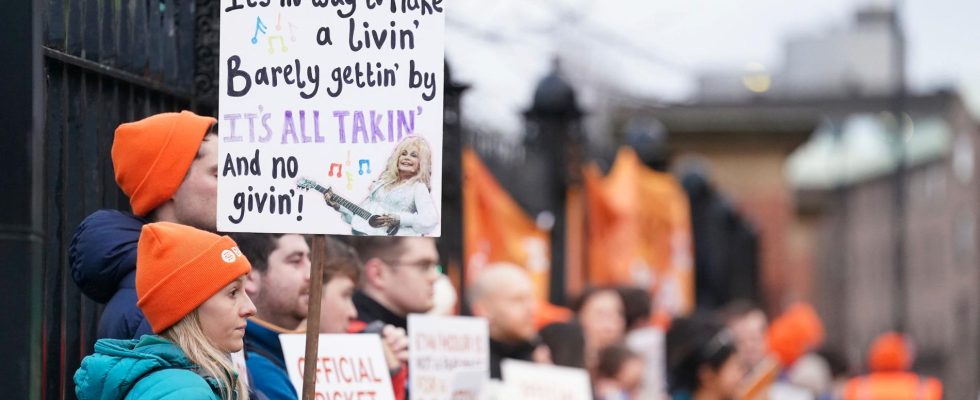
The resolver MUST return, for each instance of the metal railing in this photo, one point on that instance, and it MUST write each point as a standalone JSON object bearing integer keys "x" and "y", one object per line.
{"x": 105, "y": 62}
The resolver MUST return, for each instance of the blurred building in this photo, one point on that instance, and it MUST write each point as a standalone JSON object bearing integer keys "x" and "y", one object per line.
{"x": 855, "y": 61}
{"x": 808, "y": 153}
{"x": 845, "y": 189}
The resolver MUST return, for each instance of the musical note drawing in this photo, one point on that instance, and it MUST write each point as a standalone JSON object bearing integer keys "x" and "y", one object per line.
{"x": 279, "y": 22}
{"x": 338, "y": 167}
{"x": 361, "y": 164}
{"x": 282, "y": 44}
{"x": 348, "y": 158}
{"x": 292, "y": 32}
{"x": 259, "y": 28}
{"x": 350, "y": 181}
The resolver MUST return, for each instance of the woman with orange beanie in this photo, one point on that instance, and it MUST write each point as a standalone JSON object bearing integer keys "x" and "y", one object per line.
{"x": 189, "y": 286}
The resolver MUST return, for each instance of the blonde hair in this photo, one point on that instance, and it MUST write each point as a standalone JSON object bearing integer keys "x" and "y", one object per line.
{"x": 190, "y": 338}
{"x": 389, "y": 176}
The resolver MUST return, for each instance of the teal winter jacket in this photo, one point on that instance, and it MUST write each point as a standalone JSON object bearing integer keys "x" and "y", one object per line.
{"x": 148, "y": 368}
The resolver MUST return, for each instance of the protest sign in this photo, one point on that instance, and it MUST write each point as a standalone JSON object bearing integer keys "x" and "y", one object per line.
{"x": 467, "y": 384}
{"x": 347, "y": 94}
{"x": 439, "y": 346}
{"x": 347, "y": 366}
{"x": 531, "y": 381}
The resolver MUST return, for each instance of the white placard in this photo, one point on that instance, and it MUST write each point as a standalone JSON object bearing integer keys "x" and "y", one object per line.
{"x": 332, "y": 91}
{"x": 545, "y": 382}
{"x": 349, "y": 366}
{"x": 439, "y": 346}
{"x": 468, "y": 384}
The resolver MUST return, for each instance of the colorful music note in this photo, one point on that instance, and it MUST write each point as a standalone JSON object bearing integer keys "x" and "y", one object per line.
{"x": 348, "y": 158}
{"x": 259, "y": 28}
{"x": 336, "y": 166}
{"x": 279, "y": 22}
{"x": 282, "y": 44}
{"x": 350, "y": 181}
{"x": 292, "y": 32}
{"x": 361, "y": 164}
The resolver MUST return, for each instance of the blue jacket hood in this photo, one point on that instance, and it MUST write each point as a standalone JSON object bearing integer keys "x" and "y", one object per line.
{"x": 118, "y": 365}
{"x": 103, "y": 252}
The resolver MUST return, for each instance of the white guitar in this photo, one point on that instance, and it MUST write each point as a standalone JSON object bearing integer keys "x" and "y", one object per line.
{"x": 364, "y": 220}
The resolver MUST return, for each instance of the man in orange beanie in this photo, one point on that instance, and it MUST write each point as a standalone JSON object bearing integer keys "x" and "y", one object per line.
{"x": 167, "y": 165}
{"x": 890, "y": 359}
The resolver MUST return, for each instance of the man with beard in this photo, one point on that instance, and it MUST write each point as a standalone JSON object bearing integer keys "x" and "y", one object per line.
{"x": 279, "y": 286}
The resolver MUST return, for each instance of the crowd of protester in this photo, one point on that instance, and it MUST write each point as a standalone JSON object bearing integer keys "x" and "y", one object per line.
{"x": 181, "y": 299}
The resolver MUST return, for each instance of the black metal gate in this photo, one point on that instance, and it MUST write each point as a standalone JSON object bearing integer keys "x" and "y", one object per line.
{"x": 104, "y": 62}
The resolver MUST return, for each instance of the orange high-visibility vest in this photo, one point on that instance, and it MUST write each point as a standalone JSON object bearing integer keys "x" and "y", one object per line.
{"x": 893, "y": 386}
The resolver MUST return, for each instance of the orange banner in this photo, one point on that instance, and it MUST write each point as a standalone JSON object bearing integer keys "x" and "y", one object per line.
{"x": 496, "y": 229}
{"x": 640, "y": 232}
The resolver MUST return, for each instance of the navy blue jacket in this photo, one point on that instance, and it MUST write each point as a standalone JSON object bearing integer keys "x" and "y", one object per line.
{"x": 265, "y": 362}
{"x": 103, "y": 264}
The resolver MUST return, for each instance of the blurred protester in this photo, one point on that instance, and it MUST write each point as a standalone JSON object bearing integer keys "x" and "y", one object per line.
{"x": 600, "y": 312}
{"x": 637, "y": 307}
{"x": 646, "y": 339}
{"x": 341, "y": 273}
{"x": 504, "y": 295}
{"x": 179, "y": 186}
{"x": 793, "y": 334}
{"x": 889, "y": 360}
{"x": 619, "y": 374}
{"x": 748, "y": 324}
{"x": 566, "y": 344}
{"x": 702, "y": 360}
{"x": 399, "y": 278}
{"x": 279, "y": 284}
{"x": 189, "y": 285}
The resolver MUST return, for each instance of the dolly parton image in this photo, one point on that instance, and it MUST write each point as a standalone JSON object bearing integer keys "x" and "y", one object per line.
{"x": 399, "y": 202}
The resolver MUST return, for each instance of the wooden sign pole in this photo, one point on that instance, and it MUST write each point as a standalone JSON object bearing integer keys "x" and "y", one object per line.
{"x": 318, "y": 257}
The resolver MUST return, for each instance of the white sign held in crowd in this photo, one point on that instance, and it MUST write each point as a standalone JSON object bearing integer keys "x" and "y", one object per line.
{"x": 467, "y": 384}
{"x": 439, "y": 346}
{"x": 347, "y": 95}
{"x": 348, "y": 367}
{"x": 545, "y": 382}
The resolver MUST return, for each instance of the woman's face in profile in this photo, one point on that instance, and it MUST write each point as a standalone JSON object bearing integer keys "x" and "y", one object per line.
{"x": 408, "y": 160}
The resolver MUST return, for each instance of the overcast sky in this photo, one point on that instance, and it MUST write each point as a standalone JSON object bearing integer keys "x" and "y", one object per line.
{"x": 656, "y": 48}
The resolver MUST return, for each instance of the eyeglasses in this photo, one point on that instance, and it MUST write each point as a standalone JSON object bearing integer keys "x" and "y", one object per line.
{"x": 423, "y": 266}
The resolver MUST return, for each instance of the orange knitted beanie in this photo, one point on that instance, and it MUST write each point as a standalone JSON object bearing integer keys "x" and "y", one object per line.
{"x": 151, "y": 156}
{"x": 179, "y": 267}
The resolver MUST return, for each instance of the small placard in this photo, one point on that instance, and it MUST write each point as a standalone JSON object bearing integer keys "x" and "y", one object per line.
{"x": 348, "y": 366}
{"x": 440, "y": 346}
{"x": 531, "y": 381}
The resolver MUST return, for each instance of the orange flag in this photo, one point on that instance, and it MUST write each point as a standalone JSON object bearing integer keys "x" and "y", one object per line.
{"x": 496, "y": 229}
{"x": 640, "y": 232}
